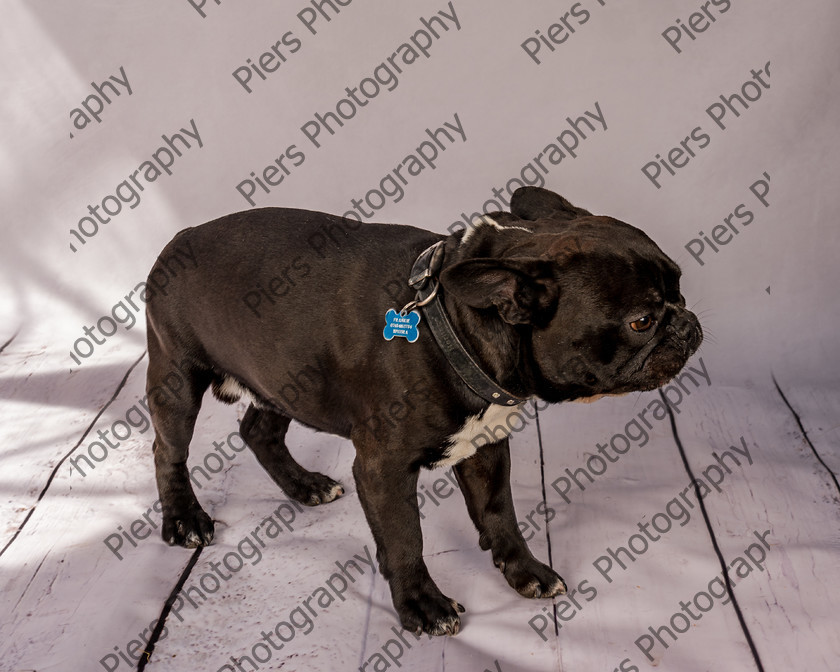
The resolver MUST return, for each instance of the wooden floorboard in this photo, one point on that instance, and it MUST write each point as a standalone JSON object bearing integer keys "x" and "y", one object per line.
{"x": 69, "y": 601}
{"x": 785, "y": 495}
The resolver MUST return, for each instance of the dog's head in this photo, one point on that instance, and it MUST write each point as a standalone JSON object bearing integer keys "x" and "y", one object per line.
{"x": 596, "y": 302}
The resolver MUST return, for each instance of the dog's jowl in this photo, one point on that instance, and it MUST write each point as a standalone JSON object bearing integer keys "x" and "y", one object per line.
{"x": 544, "y": 302}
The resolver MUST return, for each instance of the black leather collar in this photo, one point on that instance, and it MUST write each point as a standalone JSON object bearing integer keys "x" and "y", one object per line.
{"x": 424, "y": 279}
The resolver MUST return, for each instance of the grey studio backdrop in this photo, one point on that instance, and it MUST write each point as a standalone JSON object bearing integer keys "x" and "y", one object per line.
{"x": 766, "y": 295}
{"x": 710, "y": 125}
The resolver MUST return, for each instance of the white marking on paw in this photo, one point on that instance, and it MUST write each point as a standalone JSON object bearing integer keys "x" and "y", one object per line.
{"x": 193, "y": 540}
{"x": 532, "y": 588}
{"x": 486, "y": 220}
{"x": 557, "y": 588}
{"x": 491, "y": 425}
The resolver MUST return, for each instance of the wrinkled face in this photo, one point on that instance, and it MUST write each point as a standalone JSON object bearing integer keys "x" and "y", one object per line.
{"x": 595, "y": 301}
{"x": 621, "y": 324}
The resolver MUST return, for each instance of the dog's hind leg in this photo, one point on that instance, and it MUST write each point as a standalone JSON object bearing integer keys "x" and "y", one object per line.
{"x": 174, "y": 390}
{"x": 264, "y": 431}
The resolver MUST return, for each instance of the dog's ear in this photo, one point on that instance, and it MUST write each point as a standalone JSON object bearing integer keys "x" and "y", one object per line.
{"x": 536, "y": 203}
{"x": 524, "y": 291}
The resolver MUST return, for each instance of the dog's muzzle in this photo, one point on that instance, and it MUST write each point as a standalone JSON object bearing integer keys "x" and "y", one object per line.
{"x": 684, "y": 332}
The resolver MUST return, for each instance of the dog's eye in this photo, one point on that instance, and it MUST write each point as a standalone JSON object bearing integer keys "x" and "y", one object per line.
{"x": 643, "y": 323}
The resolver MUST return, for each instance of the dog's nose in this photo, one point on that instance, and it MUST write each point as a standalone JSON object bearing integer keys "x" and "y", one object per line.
{"x": 682, "y": 328}
{"x": 683, "y": 325}
{"x": 686, "y": 328}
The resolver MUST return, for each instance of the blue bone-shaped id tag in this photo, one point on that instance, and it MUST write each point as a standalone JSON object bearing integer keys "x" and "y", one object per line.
{"x": 401, "y": 325}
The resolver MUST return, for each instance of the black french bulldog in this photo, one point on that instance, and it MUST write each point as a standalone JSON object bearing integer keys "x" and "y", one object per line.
{"x": 546, "y": 301}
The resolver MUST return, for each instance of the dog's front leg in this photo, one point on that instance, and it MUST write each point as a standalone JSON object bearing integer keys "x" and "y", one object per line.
{"x": 387, "y": 488}
{"x": 485, "y": 483}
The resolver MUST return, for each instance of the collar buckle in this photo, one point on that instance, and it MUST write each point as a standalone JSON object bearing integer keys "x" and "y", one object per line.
{"x": 426, "y": 269}
{"x": 426, "y": 266}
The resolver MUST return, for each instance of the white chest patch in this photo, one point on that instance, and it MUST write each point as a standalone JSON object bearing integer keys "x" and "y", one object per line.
{"x": 491, "y": 425}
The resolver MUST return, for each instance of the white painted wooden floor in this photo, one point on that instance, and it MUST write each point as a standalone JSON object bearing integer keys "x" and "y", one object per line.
{"x": 269, "y": 594}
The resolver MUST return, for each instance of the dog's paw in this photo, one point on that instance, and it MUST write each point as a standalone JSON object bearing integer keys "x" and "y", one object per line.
{"x": 431, "y": 613}
{"x": 190, "y": 530}
{"x": 314, "y": 489}
{"x": 531, "y": 578}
